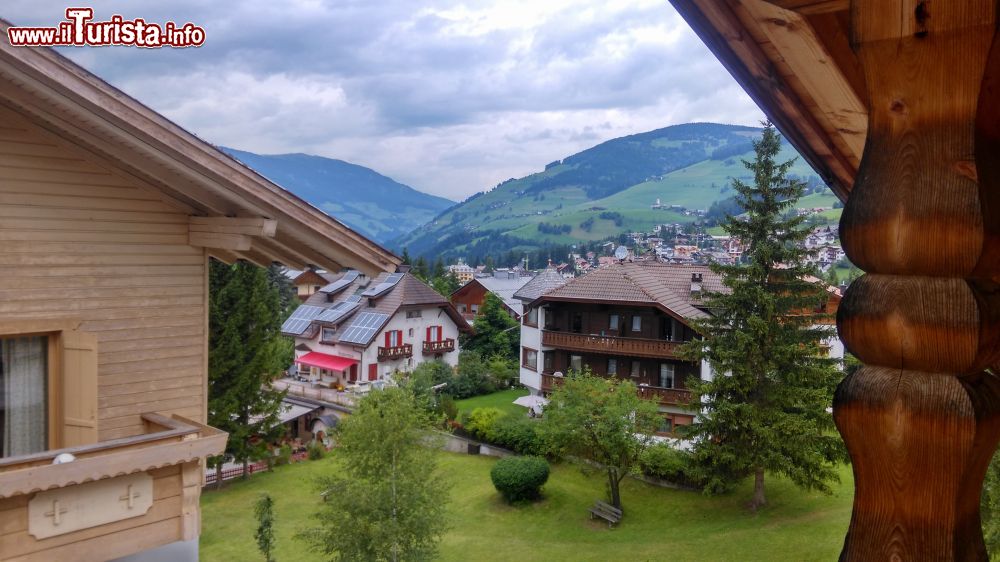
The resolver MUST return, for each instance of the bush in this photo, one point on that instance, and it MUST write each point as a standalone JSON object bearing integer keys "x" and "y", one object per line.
{"x": 316, "y": 451}
{"x": 482, "y": 423}
{"x": 667, "y": 463}
{"x": 520, "y": 478}
{"x": 284, "y": 455}
{"x": 519, "y": 435}
{"x": 448, "y": 407}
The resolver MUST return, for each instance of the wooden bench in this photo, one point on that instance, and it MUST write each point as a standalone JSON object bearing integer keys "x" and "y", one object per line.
{"x": 606, "y": 511}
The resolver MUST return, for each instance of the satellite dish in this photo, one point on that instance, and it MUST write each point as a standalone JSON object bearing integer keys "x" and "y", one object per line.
{"x": 621, "y": 252}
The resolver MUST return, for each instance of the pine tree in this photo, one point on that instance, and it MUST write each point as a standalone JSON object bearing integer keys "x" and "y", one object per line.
{"x": 246, "y": 351}
{"x": 420, "y": 268}
{"x": 765, "y": 409}
{"x": 406, "y": 256}
{"x": 263, "y": 510}
{"x": 439, "y": 270}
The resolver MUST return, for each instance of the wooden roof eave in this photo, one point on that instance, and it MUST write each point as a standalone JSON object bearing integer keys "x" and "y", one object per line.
{"x": 579, "y": 300}
{"x": 767, "y": 64}
{"x": 192, "y": 174}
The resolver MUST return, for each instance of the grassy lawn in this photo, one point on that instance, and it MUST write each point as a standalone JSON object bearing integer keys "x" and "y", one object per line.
{"x": 660, "y": 524}
{"x": 503, "y": 400}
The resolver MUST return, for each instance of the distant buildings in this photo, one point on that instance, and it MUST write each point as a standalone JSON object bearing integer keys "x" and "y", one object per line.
{"x": 463, "y": 272}
{"x": 469, "y": 298}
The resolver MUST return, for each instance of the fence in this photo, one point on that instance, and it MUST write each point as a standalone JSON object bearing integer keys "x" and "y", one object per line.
{"x": 235, "y": 472}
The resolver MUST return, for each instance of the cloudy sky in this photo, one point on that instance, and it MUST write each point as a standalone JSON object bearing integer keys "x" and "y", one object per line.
{"x": 448, "y": 96}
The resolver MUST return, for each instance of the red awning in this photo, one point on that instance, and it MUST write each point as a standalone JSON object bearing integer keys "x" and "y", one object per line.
{"x": 324, "y": 361}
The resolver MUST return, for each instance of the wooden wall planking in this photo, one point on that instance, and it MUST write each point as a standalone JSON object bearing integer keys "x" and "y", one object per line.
{"x": 83, "y": 240}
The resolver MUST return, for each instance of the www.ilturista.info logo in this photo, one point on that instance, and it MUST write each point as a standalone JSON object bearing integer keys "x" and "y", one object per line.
{"x": 79, "y": 30}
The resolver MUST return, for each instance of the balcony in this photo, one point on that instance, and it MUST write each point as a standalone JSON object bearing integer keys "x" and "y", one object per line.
{"x": 117, "y": 497}
{"x": 628, "y": 347}
{"x": 664, "y": 396}
{"x": 395, "y": 352}
{"x": 443, "y": 346}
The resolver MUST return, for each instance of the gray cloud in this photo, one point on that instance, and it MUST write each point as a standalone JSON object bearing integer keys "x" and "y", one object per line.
{"x": 448, "y": 96}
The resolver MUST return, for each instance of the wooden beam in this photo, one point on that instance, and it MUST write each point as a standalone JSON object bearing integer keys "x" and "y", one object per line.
{"x": 234, "y": 225}
{"x": 921, "y": 418}
{"x": 813, "y": 6}
{"x": 233, "y": 242}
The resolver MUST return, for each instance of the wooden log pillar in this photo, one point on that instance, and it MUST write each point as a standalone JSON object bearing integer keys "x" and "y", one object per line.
{"x": 921, "y": 419}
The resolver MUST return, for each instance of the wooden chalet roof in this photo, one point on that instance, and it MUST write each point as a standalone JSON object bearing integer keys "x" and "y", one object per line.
{"x": 644, "y": 283}
{"x": 185, "y": 171}
{"x": 794, "y": 58}
{"x": 410, "y": 292}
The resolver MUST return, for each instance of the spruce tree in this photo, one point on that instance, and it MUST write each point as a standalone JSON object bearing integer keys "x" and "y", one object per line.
{"x": 765, "y": 409}
{"x": 246, "y": 351}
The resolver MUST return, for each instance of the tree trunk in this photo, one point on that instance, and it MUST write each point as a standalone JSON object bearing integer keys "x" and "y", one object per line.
{"x": 218, "y": 476}
{"x": 616, "y": 499}
{"x": 246, "y": 469}
{"x": 758, "y": 500}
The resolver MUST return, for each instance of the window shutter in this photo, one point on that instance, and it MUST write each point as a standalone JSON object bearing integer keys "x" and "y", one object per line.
{"x": 79, "y": 388}
{"x": 428, "y": 336}
{"x": 388, "y": 339}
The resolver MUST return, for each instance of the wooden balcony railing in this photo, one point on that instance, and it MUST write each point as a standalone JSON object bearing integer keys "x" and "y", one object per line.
{"x": 395, "y": 352}
{"x": 158, "y": 473}
{"x": 443, "y": 346}
{"x": 665, "y": 396}
{"x": 629, "y": 347}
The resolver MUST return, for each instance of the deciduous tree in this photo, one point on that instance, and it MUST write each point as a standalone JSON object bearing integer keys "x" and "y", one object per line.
{"x": 602, "y": 420}
{"x": 386, "y": 500}
{"x": 495, "y": 331}
{"x": 765, "y": 409}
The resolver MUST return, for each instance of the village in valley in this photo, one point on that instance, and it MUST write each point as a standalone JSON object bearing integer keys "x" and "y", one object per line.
{"x": 664, "y": 346}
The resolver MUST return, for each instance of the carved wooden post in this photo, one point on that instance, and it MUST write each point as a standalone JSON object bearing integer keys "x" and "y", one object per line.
{"x": 922, "y": 418}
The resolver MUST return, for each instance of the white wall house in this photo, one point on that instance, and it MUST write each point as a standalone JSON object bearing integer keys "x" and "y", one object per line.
{"x": 355, "y": 329}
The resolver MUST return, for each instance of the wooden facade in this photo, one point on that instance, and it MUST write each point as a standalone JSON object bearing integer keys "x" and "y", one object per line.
{"x": 896, "y": 103}
{"x": 108, "y": 216}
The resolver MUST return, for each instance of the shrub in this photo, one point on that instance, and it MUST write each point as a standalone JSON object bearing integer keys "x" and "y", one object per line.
{"x": 449, "y": 408}
{"x": 519, "y": 435}
{"x": 482, "y": 423}
{"x": 667, "y": 463}
{"x": 520, "y": 478}
{"x": 284, "y": 455}
{"x": 316, "y": 451}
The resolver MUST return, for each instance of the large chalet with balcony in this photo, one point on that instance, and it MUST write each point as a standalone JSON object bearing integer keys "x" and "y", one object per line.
{"x": 356, "y": 330}
{"x": 626, "y": 320}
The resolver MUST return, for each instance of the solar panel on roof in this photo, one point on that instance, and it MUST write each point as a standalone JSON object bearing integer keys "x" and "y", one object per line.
{"x": 353, "y": 298}
{"x": 300, "y": 320}
{"x": 342, "y": 283}
{"x": 384, "y": 286}
{"x": 365, "y": 326}
{"x": 338, "y": 311}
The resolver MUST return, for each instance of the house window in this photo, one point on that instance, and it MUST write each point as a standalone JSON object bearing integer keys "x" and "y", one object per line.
{"x": 461, "y": 307}
{"x": 531, "y": 318}
{"x": 24, "y": 388}
{"x": 666, "y": 425}
{"x": 637, "y": 323}
{"x": 547, "y": 361}
{"x": 413, "y": 314}
{"x": 329, "y": 333}
{"x": 577, "y": 323}
{"x": 475, "y": 309}
{"x": 394, "y": 338}
{"x": 529, "y": 358}
{"x": 636, "y": 368}
{"x": 612, "y": 366}
{"x": 411, "y": 332}
{"x": 613, "y": 321}
{"x": 435, "y": 333}
{"x": 666, "y": 375}
{"x": 576, "y": 363}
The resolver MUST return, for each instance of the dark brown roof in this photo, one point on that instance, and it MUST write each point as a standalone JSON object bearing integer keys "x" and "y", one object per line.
{"x": 408, "y": 292}
{"x": 666, "y": 286}
{"x": 546, "y": 280}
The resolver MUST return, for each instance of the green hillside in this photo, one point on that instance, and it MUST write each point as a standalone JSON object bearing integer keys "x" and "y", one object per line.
{"x": 602, "y": 192}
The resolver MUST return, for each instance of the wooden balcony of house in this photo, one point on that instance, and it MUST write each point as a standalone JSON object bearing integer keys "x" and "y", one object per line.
{"x": 612, "y": 345}
{"x": 443, "y": 346}
{"x": 313, "y": 391}
{"x": 395, "y": 352}
{"x": 664, "y": 396}
{"x": 140, "y": 492}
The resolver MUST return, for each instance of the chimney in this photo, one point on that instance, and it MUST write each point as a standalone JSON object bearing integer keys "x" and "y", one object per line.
{"x": 696, "y": 283}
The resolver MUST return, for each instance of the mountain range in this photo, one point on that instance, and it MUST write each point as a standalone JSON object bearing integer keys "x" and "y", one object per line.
{"x": 625, "y": 184}
{"x": 367, "y": 201}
